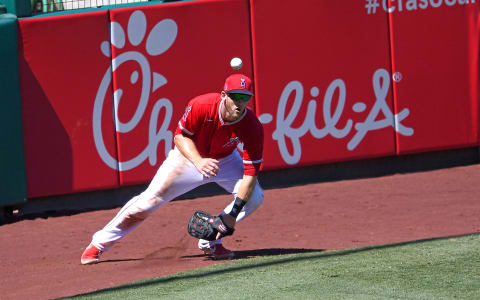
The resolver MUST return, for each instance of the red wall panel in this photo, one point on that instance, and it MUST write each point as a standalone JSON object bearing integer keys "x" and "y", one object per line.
{"x": 322, "y": 72}
{"x": 102, "y": 91}
{"x": 435, "y": 59}
{"x": 163, "y": 56}
{"x": 61, "y": 70}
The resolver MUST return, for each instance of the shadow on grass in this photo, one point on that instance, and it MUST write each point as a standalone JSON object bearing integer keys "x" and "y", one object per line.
{"x": 263, "y": 252}
{"x": 272, "y": 252}
{"x": 268, "y": 252}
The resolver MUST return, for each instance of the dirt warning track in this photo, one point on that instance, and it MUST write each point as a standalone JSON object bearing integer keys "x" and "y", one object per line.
{"x": 41, "y": 257}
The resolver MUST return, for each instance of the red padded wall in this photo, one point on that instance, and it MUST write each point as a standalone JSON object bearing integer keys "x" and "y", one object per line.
{"x": 322, "y": 72}
{"x": 61, "y": 70}
{"x": 435, "y": 59}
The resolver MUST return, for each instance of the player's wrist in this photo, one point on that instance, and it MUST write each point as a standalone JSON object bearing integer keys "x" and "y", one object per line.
{"x": 238, "y": 205}
{"x": 228, "y": 220}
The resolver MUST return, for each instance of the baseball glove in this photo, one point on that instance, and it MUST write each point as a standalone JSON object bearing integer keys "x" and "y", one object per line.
{"x": 203, "y": 225}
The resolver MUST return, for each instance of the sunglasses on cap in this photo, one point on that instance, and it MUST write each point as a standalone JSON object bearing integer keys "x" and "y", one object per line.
{"x": 239, "y": 97}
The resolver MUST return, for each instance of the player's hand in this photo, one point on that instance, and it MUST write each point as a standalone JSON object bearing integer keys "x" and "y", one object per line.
{"x": 229, "y": 221}
{"x": 207, "y": 167}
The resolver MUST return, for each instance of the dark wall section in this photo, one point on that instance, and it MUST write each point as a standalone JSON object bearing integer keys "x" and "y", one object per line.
{"x": 12, "y": 163}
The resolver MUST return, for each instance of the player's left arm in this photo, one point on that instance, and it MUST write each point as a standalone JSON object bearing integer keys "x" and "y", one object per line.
{"x": 252, "y": 160}
{"x": 244, "y": 193}
{"x": 246, "y": 187}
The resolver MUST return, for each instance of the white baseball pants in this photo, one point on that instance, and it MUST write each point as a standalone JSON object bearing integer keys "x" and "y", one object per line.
{"x": 176, "y": 176}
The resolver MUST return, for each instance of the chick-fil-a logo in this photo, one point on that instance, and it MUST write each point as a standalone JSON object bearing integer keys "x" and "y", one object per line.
{"x": 159, "y": 40}
{"x": 332, "y": 115}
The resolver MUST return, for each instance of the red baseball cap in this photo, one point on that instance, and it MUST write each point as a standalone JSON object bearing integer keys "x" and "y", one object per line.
{"x": 238, "y": 84}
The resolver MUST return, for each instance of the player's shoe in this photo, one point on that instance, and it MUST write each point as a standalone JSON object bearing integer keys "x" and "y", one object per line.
{"x": 217, "y": 252}
{"x": 91, "y": 255}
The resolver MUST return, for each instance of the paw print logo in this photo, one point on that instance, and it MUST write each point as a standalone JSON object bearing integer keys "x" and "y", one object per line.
{"x": 160, "y": 38}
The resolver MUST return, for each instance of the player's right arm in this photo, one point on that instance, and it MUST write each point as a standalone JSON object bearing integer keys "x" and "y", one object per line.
{"x": 206, "y": 166}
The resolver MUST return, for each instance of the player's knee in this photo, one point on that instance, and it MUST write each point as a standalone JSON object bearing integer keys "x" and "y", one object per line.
{"x": 149, "y": 202}
{"x": 257, "y": 197}
{"x": 140, "y": 216}
{"x": 153, "y": 201}
{"x": 131, "y": 220}
{"x": 260, "y": 196}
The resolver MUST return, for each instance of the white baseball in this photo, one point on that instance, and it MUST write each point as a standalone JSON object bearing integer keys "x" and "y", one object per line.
{"x": 236, "y": 63}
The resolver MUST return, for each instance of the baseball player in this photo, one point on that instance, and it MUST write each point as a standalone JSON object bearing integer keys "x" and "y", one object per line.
{"x": 206, "y": 141}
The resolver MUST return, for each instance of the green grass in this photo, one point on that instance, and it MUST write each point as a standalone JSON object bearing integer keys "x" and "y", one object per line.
{"x": 446, "y": 268}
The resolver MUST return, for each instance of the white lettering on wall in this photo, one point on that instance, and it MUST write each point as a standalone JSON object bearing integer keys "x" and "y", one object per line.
{"x": 331, "y": 116}
{"x": 159, "y": 40}
{"x": 399, "y": 6}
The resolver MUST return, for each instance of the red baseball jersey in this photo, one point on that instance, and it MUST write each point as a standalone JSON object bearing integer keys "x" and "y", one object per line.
{"x": 216, "y": 138}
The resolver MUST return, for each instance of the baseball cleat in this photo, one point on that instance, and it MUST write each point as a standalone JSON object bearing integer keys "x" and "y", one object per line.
{"x": 218, "y": 252}
{"x": 91, "y": 255}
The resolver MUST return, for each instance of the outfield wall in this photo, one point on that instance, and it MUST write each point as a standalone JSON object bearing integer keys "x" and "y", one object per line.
{"x": 334, "y": 82}
{"x": 12, "y": 177}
